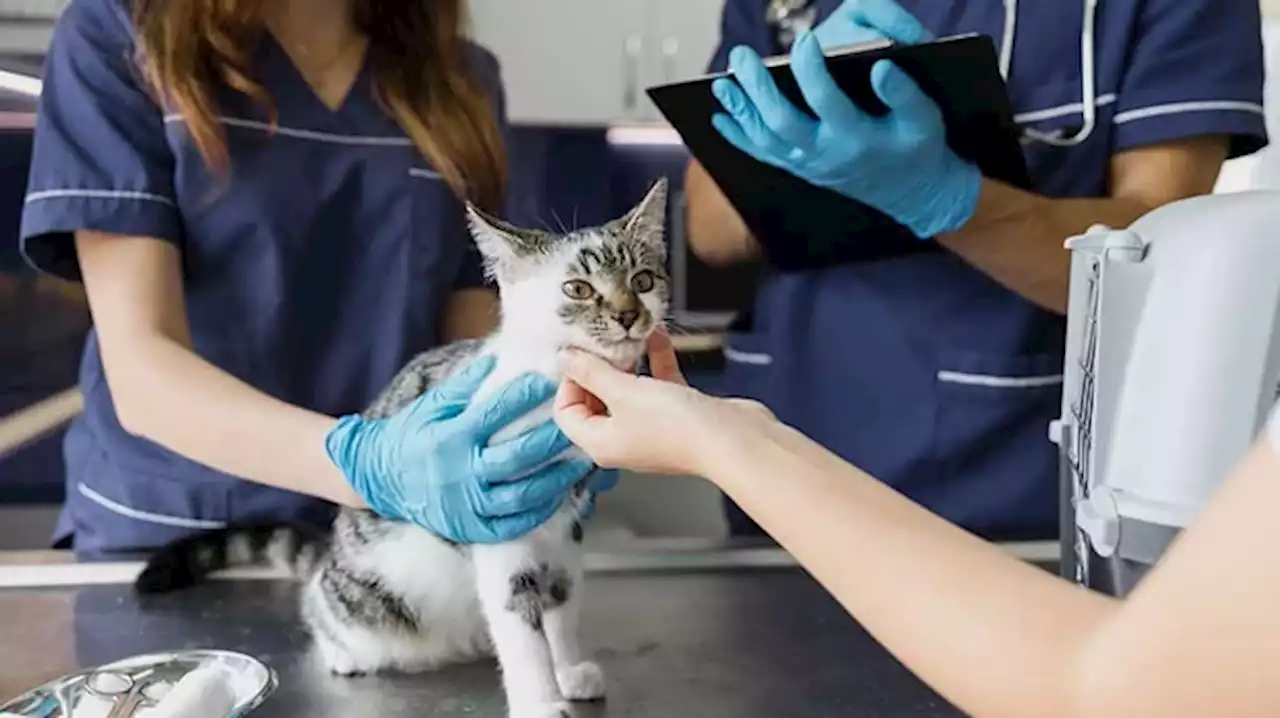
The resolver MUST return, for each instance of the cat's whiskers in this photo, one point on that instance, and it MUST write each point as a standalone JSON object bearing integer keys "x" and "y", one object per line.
{"x": 559, "y": 223}
{"x": 674, "y": 328}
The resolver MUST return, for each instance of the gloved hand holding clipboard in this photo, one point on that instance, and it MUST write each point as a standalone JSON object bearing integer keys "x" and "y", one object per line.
{"x": 803, "y": 221}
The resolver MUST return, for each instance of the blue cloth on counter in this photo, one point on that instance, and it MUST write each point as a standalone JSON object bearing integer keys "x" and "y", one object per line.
{"x": 313, "y": 275}
{"x": 921, "y": 369}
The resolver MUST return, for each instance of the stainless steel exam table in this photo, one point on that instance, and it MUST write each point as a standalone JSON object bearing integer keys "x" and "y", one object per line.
{"x": 705, "y": 631}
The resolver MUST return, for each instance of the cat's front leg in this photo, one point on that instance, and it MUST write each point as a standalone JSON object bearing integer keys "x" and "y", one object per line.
{"x": 579, "y": 680}
{"x": 511, "y": 581}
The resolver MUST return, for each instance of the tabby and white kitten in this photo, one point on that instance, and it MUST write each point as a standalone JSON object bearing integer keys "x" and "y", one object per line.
{"x": 384, "y": 595}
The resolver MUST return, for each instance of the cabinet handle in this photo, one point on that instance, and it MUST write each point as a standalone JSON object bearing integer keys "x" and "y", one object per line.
{"x": 670, "y": 48}
{"x": 630, "y": 88}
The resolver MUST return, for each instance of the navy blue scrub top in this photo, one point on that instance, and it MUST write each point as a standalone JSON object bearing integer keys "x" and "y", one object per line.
{"x": 922, "y": 370}
{"x": 312, "y": 274}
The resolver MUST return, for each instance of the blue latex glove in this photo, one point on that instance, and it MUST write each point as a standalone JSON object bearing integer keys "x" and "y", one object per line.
{"x": 867, "y": 20}
{"x": 601, "y": 481}
{"x": 430, "y": 463}
{"x": 899, "y": 164}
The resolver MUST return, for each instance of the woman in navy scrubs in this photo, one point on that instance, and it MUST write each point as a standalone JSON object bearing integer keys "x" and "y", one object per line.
{"x": 263, "y": 199}
{"x": 939, "y": 371}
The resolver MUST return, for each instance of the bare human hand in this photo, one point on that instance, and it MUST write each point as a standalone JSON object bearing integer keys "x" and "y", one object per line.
{"x": 655, "y": 424}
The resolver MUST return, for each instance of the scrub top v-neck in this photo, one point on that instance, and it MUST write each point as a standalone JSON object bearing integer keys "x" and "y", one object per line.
{"x": 296, "y": 90}
{"x": 312, "y": 270}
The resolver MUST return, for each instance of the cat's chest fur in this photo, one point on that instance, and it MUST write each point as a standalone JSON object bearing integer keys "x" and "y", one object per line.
{"x": 517, "y": 355}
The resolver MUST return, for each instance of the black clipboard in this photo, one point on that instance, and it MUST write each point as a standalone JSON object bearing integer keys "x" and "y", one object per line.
{"x": 800, "y": 226}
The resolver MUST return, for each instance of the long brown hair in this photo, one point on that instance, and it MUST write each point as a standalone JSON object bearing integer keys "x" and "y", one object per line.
{"x": 422, "y": 72}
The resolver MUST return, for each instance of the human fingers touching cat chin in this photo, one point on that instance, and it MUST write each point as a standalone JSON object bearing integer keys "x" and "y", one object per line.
{"x": 663, "y": 363}
{"x": 627, "y": 421}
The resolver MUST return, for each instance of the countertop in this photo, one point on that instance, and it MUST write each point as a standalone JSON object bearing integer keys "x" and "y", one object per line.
{"x": 681, "y": 628}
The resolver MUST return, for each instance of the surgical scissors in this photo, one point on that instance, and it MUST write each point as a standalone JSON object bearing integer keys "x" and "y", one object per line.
{"x": 127, "y": 691}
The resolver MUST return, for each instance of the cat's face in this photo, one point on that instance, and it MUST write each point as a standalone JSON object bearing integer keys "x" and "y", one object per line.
{"x": 603, "y": 289}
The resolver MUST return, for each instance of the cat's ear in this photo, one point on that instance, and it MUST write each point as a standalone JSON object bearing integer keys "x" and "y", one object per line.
{"x": 505, "y": 247}
{"x": 647, "y": 221}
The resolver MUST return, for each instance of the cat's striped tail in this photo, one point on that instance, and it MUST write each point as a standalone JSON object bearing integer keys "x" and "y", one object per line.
{"x": 189, "y": 560}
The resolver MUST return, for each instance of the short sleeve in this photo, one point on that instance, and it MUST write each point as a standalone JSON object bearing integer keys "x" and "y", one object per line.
{"x": 1196, "y": 67}
{"x": 742, "y": 22}
{"x": 100, "y": 159}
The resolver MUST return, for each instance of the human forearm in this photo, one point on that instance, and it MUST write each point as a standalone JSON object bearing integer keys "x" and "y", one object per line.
{"x": 164, "y": 391}
{"x": 716, "y": 232}
{"x": 995, "y": 636}
{"x": 1199, "y": 636}
{"x": 1017, "y": 237}
{"x": 224, "y": 423}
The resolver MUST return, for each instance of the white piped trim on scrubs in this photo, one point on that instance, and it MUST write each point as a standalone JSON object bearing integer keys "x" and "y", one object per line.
{"x": 301, "y": 134}
{"x": 145, "y": 516}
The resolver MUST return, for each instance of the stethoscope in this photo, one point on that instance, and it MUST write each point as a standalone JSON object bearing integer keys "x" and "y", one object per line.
{"x": 788, "y": 15}
{"x": 1088, "y": 90}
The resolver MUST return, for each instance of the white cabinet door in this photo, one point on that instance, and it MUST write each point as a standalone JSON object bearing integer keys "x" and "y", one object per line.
{"x": 685, "y": 34}
{"x": 26, "y": 26}
{"x": 567, "y": 62}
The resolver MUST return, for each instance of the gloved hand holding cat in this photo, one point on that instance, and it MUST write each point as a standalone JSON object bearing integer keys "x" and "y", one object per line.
{"x": 431, "y": 464}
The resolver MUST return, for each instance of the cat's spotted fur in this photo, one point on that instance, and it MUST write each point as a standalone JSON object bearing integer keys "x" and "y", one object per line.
{"x": 383, "y": 595}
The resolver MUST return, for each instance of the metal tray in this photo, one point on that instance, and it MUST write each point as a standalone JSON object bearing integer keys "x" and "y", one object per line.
{"x": 252, "y": 682}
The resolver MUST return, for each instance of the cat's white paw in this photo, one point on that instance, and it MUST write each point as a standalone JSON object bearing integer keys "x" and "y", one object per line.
{"x": 583, "y": 682}
{"x": 339, "y": 662}
{"x": 543, "y": 710}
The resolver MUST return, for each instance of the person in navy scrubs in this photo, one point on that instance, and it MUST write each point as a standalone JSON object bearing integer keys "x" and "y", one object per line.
{"x": 263, "y": 200}
{"x": 940, "y": 371}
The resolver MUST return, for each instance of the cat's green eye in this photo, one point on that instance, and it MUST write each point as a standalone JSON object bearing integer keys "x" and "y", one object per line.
{"x": 642, "y": 282}
{"x": 578, "y": 289}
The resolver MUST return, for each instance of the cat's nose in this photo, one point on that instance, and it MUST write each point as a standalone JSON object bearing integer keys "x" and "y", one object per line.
{"x": 627, "y": 317}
